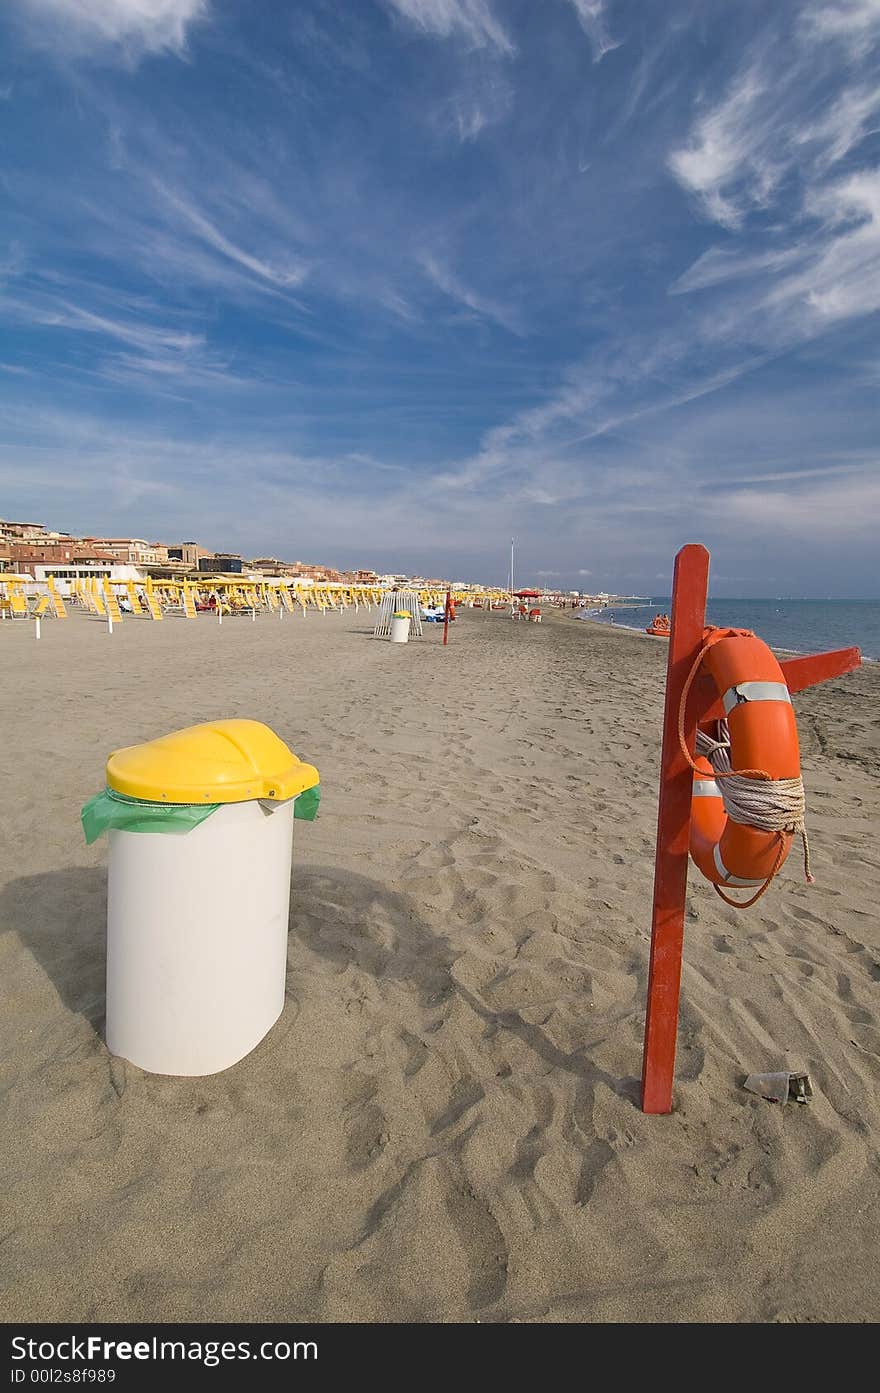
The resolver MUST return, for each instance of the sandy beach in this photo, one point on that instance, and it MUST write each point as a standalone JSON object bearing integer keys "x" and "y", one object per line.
{"x": 444, "y": 1124}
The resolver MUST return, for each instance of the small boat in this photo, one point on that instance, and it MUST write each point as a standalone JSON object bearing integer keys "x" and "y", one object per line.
{"x": 659, "y": 626}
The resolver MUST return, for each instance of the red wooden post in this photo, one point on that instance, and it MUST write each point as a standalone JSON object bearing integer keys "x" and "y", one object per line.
{"x": 446, "y": 620}
{"x": 689, "y": 588}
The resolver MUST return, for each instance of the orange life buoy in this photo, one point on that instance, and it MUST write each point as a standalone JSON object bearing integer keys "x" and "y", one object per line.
{"x": 763, "y": 744}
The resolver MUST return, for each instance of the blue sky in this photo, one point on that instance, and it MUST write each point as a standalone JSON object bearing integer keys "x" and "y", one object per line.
{"x": 387, "y": 282}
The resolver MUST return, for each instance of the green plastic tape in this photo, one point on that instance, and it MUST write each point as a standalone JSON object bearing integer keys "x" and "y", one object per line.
{"x": 109, "y": 809}
{"x": 306, "y": 805}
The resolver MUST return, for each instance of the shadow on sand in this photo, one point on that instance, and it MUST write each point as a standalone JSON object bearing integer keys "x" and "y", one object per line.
{"x": 61, "y": 918}
{"x": 345, "y": 918}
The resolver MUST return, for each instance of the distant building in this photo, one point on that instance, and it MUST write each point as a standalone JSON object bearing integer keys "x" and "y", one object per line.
{"x": 269, "y": 566}
{"x": 68, "y": 560}
{"x": 359, "y": 577}
{"x": 299, "y": 569}
{"x": 221, "y": 562}
{"x": 190, "y": 552}
{"x": 32, "y": 532}
{"x": 21, "y": 531}
{"x": 134, "y": 551}
{"x": 36, "y": 551}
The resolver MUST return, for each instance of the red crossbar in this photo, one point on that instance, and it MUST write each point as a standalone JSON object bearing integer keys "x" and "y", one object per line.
{"x": 799, "y": 673}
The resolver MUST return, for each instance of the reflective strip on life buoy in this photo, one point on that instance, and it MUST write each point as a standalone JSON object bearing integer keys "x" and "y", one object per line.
{"x": 763, "y": 736}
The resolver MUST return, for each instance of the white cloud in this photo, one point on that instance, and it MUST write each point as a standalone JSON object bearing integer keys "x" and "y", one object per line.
{"x": 137, "y": 26}
{"x": 472, "y": 19}
{"x": 828, "y": 276}
{"x": 132, "y": 351}
{"x": 775, "y": 141}
{"x": 846, "y": 124}
{"x": 290, "y": 274}
{"x": 856, "y": 22}
{"x": 844, "y": 280}
{"x": 718, "y": 265}
{"x": 446, "y": 281}
{"x": 728, "y": 148}
{"x": 591, "y": 14}
{"x": 469, "y": 122}
{"x": 764, "y": 131}
{"x": 837, "y": 510}
{"x": 51, "y": 312}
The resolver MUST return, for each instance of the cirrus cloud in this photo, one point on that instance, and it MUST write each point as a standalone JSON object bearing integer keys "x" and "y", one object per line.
{"x": 469, "y": 19}
{"x": 134, "y": 27}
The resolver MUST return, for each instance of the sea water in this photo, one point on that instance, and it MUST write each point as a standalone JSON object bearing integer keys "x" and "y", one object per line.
{"x": 798, "y": 626}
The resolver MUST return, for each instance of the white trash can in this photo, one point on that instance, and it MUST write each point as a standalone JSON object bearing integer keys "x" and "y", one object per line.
{"x": 400, "y": 622}
{"x": 200, "y": 829}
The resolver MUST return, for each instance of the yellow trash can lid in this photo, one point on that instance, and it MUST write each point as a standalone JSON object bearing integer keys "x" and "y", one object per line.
{"x": 216, "y": 762}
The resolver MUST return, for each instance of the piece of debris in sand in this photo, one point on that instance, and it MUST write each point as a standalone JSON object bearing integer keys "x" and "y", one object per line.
{"x": 781, "y": 1088}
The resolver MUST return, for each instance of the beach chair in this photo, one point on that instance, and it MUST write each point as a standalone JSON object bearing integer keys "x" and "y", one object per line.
{"x": 134, "y": 598}
{"x": 111, "y": 602}
{"x": 18, "y": 605}
{"x": 58, "y": 607}
{"x": 97, "y": 599}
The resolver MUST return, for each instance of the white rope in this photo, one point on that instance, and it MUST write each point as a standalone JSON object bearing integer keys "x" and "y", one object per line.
{"x": 773, "y": 805}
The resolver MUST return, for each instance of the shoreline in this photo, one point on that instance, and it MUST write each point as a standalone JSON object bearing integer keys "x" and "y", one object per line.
{"x": 635, "y": 629}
